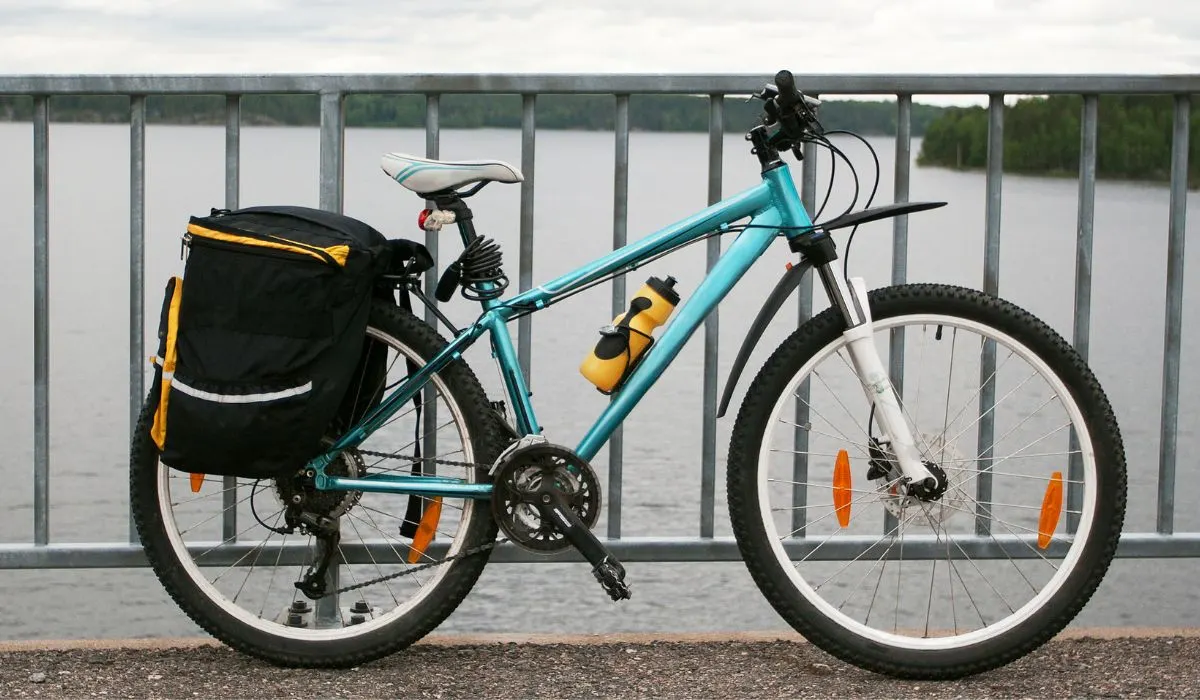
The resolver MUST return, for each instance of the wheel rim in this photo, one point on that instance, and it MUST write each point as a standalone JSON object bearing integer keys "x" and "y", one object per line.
{"x": 230, "y": 590}
{"x": 949, "y": 527}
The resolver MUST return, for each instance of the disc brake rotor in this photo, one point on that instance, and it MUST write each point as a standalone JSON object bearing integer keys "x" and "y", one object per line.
{"x": 932, "y": 513}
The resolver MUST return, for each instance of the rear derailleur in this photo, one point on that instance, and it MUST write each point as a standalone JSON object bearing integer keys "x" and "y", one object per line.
{"x": 547, "y": 498}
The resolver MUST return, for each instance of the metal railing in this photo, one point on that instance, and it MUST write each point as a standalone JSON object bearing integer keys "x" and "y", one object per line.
{"x": 333, "y": 89}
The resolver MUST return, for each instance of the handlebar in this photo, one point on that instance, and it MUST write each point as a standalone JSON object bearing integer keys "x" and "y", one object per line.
{"x": 791, "y": 109}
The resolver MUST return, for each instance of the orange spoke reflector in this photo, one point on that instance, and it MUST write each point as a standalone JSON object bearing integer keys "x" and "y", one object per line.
{"x": 197, "y": 481}
{"x": 428, "y": 526}
{"x": 1051, "y": 509}
{"x": 841, "y": 487}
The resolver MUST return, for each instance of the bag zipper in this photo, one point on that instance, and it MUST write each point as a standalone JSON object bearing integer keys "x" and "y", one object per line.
{"x": 190, "y": 240}
{"x": 305, "y": 248}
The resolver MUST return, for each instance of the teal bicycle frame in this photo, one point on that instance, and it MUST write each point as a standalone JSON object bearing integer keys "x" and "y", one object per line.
{"x": 774, "y": 209}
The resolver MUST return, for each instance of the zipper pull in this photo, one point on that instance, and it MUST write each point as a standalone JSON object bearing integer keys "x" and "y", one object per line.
{"x": 184, "y": 241}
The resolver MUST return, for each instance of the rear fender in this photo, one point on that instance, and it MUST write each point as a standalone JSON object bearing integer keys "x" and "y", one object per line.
{"x": 787, "y": 284}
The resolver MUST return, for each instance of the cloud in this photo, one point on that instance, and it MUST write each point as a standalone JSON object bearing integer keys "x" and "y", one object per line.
{"x": 688, "y": 36}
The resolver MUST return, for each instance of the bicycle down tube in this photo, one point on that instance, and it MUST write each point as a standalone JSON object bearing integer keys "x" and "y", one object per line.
{"x": 772, "y": 205}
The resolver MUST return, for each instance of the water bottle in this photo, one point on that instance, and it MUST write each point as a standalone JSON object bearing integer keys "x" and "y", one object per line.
{"x": 630, "y": 334}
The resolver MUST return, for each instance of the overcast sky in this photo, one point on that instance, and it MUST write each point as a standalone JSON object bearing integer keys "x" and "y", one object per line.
{"x": 685, "y": 36}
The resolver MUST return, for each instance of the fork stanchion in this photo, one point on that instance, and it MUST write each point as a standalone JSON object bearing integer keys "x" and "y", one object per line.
{"x": 991, "y": 285}
{"x": 808, "y": 197}
{"x": 1172, "y": 334}
{"x": 899, "y": 255}
{"x": 429, "y": 414}
{"x": 137, "y": 266}
{"x": 708, "y": 444}
{"x": 616, "y": 443}
{"x": 233, "y": 146}
{"x": 41, "y": 319}
{"x": 528, "y": 143}
{"x": 1083, "y": 286}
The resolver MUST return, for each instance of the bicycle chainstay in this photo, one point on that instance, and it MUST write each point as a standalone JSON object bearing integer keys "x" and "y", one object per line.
{"x": 416, "y": 569}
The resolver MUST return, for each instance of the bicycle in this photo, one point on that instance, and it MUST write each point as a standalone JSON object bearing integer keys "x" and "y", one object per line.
{"x": 824, "y": 541}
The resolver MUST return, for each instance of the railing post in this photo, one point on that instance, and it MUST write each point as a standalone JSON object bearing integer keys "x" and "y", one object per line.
{"x": 1083, "y": 286}
{"x": 899, "y": 252}
{"x": 137, "y": 266}
{"x": 429, "y": 417}
{"x": 528, "y": 143}
{"x": 233, "y": 149}
{"x": 616, "y": 443}
{"x": 1173, "y": 333}
{"x": 804, "y": 298}
{"x": 708, "y": 443}
{"x": 991, "y": 285}
{"x": 41, "y": 319}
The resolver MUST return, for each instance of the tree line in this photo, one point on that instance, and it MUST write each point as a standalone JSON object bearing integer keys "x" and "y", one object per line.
{"x": 585, "y": 112}
{"x": 1042, "y": 135}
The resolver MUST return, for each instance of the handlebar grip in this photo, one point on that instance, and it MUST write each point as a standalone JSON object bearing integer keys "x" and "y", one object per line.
{"x": 786, "y": 84}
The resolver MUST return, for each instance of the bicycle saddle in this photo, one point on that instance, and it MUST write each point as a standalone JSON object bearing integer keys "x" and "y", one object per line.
{"x": 422, "y": 175}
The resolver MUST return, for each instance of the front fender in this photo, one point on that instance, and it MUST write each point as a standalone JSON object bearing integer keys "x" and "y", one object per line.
{"x": 787, "y": 284}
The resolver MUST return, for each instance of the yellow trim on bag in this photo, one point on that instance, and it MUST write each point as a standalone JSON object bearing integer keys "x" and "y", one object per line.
{"x": 338, "y": 252}
{"x": 159, "y": 430}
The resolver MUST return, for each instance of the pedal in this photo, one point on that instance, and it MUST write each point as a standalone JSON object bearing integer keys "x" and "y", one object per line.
{"x": 611, "y": 576}
{"x": 607, "y": 570}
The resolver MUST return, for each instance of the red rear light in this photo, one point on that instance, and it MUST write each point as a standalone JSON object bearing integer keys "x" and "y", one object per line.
{"x": 422, "y": 217}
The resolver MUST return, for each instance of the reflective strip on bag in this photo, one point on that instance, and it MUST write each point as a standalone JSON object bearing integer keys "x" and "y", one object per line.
{"x": 241, "y": 398}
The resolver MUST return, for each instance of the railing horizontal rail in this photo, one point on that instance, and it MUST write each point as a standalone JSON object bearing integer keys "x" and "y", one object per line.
{"x": 948, "y": 84}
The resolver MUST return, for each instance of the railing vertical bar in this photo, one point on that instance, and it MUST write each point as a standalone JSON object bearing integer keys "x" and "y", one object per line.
{"x": 1174, "y": 322}
{"x": 991, "y": 285}
{"x": 41, "y": 319}
{"x": 233, "y": 155}
{"x": 328, "y": 608}
{"x": 1083, "y": 285}
{"x": 804, "y": 299}
{"x": 616, "y": 443}
{"x": 137, "y": 265}
{"x": 708, "y": 440}
{"x": 900, "y": 251}
{"x": 433, "y": 144}
{"x": 528, "y": 143}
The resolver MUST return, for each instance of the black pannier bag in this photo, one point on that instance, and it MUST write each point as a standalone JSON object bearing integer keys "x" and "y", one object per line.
{"x": 261, "y": 336}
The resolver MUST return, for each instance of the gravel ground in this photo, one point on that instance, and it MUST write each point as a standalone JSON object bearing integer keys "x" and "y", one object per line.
{"x": 1153, "y": 666}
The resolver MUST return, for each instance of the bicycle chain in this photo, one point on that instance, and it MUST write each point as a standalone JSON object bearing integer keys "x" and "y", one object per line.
{"x": 408, "y": 572}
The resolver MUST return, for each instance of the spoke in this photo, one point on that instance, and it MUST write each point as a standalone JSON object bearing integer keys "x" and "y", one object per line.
{"x": 261, "y": 547}
{"x": 248, "y": 553}
{"x": 811, "y": 505}
{"x": 854, "y": 502}
{"x": 802, "y": 452}
{"x": 967, "y": 404}
{"x": 845, "y": 566}
{"x": 899, "y": 572}
{"x": 997, "y": 404}
{"x": 1006, "y": 525}
{"x": 949, "y": 385}
{"x": 274, "y": 570}
{"x": 829, "y": 486}
{"x": 841, "y": 436}
{"x": 880, "y": 560}
{"x": 985, "y": 578}
{"x": 967, "y": 460}
{"x": 406, "y": 520}
{"x": 840, "y": 403}
{"x": 378, "y": 569}
{"x": 218, "y": 514}
{"x": 389, "y": 540}
{"x": 1015, "y": 476}
{"x": 808, "y": 427}
{"x": 175, "y": 504}
{"x": 966, "y": 589}
{"x": 1052, "y": 432}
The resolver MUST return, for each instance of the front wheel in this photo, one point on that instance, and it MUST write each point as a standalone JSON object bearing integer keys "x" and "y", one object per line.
{"x": 942, "y": 584}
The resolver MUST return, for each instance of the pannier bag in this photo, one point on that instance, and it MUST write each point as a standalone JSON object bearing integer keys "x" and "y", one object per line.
{"x": 261, "y": 336}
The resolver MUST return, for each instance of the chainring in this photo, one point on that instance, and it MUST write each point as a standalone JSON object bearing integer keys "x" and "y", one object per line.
{"x": 517, "y": 486}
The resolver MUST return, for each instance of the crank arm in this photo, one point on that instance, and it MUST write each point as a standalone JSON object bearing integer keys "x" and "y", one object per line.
{"x": 605, "y": 566}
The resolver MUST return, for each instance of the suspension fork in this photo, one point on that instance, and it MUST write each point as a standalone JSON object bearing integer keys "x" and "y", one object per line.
{"x": 860, "y": 340}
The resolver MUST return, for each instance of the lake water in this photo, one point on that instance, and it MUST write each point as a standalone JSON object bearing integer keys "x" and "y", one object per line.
{"x": 573, "y": 221}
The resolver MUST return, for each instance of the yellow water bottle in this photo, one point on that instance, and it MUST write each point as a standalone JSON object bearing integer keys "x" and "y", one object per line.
{"x": 630, "y": 334}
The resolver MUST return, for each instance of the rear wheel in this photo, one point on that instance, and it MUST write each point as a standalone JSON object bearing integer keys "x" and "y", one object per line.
{"x": 938, "y": 584}
{"x": 218, "y": 547}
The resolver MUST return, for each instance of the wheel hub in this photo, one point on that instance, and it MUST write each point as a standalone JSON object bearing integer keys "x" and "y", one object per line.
{"x": 920, "y": 503}
{"x": 300, "y": 492}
